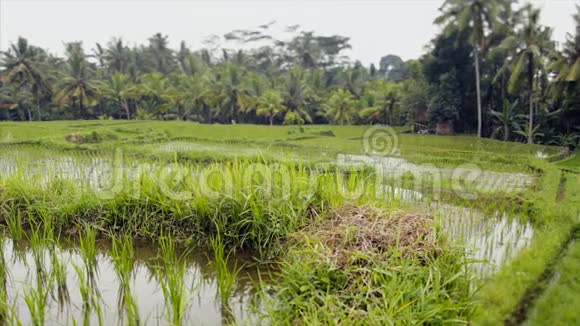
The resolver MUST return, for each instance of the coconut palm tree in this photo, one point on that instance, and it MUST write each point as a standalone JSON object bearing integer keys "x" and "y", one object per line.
{"x": 473, "y": 17}
{"x": 117, "y": 56}
{"x": 354, "y": 79}
{"x": 567, "y": 65}
{"x": 78, "y": 87}
{"x": 296, "y": 95}
{"x": 22, "y": 67}
{"x": 339, "y": 108}
{"x": 161, "y": 56}
{"x": 270, "y": 104}
{"x": 195, "y": 89}
{"x": 153, "y": 89}
{"x": 529, "y": 46}
{"x": 387, "y": 98}
{"x": 229, "y": 91}
{"x": 119, "y": 89}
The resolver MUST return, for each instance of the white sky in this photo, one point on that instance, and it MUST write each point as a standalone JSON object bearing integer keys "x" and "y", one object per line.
{"x": 376, "y": 27}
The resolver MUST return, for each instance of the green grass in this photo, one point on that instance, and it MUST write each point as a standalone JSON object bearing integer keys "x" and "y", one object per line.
{"x": 376, "y": 288}
{"x": 559, "y": 304}
{"x": 317, "y": 143}
{"x": 572, "y": 163}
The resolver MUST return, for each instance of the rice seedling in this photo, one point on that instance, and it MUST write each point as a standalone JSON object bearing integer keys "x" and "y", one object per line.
{"x": 14, "y": 223}
{"x": 89, "y": 251}
{"x": 4, "y": 307}
{"x": 171, "y": 276}
{"x": 36, "y": 299}
{"x": 226, "y": 279}
{"x": 59, "y": 273}
{"x": 38, "y": 248}
{"x": 123, "y": 257}
{"x": 90, "y": 298}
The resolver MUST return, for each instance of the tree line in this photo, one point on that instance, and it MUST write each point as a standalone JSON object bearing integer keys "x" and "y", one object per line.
{"x": 493, "y": 70}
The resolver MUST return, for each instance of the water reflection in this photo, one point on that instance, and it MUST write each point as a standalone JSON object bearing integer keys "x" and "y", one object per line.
{"x": 204, "y": 307}
{"x": 464, "y": 176}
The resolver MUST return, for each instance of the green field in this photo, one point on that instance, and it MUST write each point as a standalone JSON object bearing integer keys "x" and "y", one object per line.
{"x": 281, "y": 225}
{"x": 309, "y": 141}
{"x": 571, "y": 163}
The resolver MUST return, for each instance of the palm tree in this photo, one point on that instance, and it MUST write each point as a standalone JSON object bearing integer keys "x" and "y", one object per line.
{"x": 387, "y": 98}
{"x": 530, "y": 44}
{"x": 270, "y": 104}
{"x": 22, "y": 68}
{"x": 12, "y": 97}
{"x": 77, "y": 88}
{"x": 117, "y": 56}
{"x": 176, "y": 98}
{"x": 340, "y": 106}
{"x": 354, "y": 80}
{"x": 119, "y": 89}
{"x": 196, "y": 92}
{"x": 473, "y": 17}
{"x": 525, "y": 132}
{"x": 567, "y": 65}
{"x": 161, "y": 55}
{"x": 229, "y": 91}
{"x": 153, "y": 90}
{"x": 296, "y": 94}
{"x": 507, "y": 119}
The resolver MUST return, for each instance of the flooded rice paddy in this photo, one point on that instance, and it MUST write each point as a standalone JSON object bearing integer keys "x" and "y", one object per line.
{"x": 490, "y": 239}
{"x": 199, "y": 280}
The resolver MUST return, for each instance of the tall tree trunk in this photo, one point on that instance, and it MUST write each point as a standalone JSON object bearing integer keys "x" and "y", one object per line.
{"x": 531, "y": 97}
{"x": 29, "y": 114}
{"x": 506, "y": 132}
{"x": 81, "y": 105}
{"x": 477, "y": 86}
{"x": 38, "y": 108}
{"x": 127, "y": 111}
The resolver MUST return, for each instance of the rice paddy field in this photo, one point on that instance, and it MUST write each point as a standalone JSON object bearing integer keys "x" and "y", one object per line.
{"x": 176, "y": 223}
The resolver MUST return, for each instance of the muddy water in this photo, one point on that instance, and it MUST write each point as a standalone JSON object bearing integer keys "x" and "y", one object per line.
{"x": 200, "y": 279}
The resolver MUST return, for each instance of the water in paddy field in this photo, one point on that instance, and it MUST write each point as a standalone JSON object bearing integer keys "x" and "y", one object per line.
{"x": 465, "y": 176}
{"x": 204, "y": 307}
{"x": 190, "y": 147}
{"x": 492, "y": 239}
